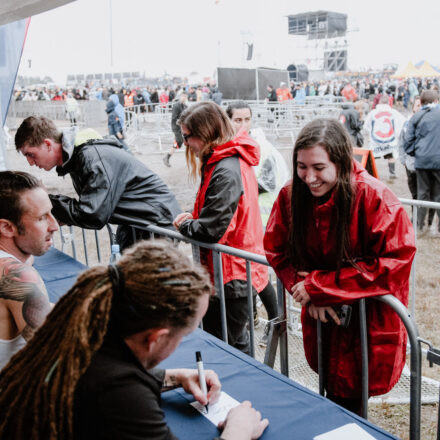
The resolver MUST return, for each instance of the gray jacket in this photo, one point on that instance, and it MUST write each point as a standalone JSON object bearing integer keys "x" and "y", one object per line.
{"x": 422, "y": 138}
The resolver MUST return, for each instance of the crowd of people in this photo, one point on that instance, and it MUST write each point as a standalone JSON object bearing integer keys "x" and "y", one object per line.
{"x": 334, "y": 235}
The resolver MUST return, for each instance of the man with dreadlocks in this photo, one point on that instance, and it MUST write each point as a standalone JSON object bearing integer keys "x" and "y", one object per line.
{"x": 26, "y": 228}
{"x": 89, "y": 373}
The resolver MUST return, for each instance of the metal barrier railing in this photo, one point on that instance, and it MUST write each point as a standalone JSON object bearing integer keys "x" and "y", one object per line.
{"x": 278, "y": 328}
{"x": 415, "y": 204}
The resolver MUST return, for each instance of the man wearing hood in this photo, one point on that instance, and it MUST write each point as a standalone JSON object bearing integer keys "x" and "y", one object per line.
{"x": 114, "y": 124}
{"x": 112, "y": 186}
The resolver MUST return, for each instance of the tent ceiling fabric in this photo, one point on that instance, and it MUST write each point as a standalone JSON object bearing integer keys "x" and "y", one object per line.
{"x": 13, "y": 10}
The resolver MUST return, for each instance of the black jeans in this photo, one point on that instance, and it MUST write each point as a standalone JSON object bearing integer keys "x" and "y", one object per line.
{"x": 428, "y": 188}
{"x": 269, "y": 299}
{"x": 236, "y": 318}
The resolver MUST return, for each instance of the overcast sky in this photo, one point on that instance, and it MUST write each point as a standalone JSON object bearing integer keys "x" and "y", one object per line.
{"x": 182, "y": 36}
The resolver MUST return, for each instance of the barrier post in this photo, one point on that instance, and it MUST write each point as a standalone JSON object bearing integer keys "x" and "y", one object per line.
{"x": 364, "y": 351}
{"x": 282, "y": 313}
{"x": 415, "y": 365}
{"x": 220, "y": 291}
{"x": 320, "y": 359}
{"x": 250, "y": 304}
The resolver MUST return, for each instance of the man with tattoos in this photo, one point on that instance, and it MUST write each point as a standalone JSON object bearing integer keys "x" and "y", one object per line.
{"x": 26, "y": 228}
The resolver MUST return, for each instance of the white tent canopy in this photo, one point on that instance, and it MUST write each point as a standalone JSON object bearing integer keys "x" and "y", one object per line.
{"x": 13, "y": 10}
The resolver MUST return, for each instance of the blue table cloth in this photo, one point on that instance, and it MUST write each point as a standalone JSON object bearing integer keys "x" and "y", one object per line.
{"x": 293, "y": 411}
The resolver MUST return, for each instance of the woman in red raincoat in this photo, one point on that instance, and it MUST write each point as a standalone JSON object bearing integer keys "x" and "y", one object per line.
{"x": 226, "y": 210}
{"x": 335, "y": 235}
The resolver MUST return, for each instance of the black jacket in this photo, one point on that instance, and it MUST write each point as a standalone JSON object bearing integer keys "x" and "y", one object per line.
{"x": 349, "y": 117}
{"x": 113, "y": 187}
{"x": 117, "y": 398}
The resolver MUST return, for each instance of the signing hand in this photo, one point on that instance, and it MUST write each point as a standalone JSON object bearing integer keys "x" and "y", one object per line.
{"x": 181, "y": 218}
{"x": 243, "y": 423}
{"x": 319, "y": 313}
{"x": 189, "y": 380}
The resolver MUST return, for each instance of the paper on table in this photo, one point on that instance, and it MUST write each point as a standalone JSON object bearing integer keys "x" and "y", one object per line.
{"x": 218, "y": 411}
{"x": 346, "y": 432}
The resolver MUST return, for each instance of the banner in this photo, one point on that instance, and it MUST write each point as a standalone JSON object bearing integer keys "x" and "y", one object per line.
{"x": 12, "y": 37}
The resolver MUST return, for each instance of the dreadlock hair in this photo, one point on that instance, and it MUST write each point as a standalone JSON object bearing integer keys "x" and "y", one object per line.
{"x": 330, "y": 135}
{"x": 37, "y": 387}
{"x": 209, "y": 122}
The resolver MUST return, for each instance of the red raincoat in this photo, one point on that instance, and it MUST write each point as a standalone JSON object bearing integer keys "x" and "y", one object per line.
{"x": 245, "y": 231}
{"x": 382, "y": 238}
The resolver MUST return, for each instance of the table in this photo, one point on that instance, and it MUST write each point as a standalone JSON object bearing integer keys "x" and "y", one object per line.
{"x": 294, "y": 412}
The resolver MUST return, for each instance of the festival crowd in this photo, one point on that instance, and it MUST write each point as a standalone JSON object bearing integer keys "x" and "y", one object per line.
{"x": 86, "y": 367}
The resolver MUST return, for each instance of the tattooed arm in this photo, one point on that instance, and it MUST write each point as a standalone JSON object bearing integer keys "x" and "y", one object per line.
{"x": 24, "y": 295}
{"x": 189, "y": 381}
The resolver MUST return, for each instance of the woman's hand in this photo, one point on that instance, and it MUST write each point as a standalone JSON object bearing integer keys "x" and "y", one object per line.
{"x": 243, "y": 423}
{"x": 181, "y": 218}
{"x": 189, "y": 381}
{"x": 299, "y": 293}
{"x": 320, "y": 313}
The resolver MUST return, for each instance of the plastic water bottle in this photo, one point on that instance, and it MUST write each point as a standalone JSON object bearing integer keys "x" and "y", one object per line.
{"x": 116, "y": 254}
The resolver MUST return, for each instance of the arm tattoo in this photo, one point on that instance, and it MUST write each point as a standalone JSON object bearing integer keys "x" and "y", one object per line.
{"x": 21, "y": 283}
{"x": 169, "y": 383}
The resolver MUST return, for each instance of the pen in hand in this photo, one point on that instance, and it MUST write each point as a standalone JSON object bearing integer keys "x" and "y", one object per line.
{"x": 202, "y": 379}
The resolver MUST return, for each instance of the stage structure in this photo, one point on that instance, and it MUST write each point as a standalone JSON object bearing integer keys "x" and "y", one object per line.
{"x": 248, "y": 84}
{"x": 321, "y": 40}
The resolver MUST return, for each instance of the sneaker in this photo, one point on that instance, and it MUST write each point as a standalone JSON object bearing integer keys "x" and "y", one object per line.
{"x": 166, "y": 161}
{"x": 421, "y": 232}
{"x": 265, "y": 338}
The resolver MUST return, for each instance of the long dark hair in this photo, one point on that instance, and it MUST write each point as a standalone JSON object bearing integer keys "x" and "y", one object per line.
{"x": 330, "y": 135}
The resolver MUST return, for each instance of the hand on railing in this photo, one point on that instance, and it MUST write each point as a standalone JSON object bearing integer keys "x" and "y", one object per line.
{"x": 181, "y": 218}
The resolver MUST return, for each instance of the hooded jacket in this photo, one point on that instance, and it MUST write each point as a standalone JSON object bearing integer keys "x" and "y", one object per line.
{"x": 112, "y": 187}
{"x": 226, "y": 210}
{"x": 382, "y": 240}
{"x": 119, "y": 109}
{"x": 113, "y": 123}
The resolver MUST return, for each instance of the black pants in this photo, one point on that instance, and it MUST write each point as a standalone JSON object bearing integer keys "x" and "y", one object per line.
{"x": 236, "y": 318}
{"x": 428, "y": 188}
{"x": 352, "y": 404}
{"x": 412, "y": 185}
{"x": 126, "y": 236}
{"x": 269, "y": 299}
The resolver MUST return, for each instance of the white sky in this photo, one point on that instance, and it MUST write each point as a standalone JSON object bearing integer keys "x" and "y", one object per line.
{"x": 181, "y": 36}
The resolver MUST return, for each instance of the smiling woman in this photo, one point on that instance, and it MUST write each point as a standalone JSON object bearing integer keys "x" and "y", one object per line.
{"x": 348, "y": 238}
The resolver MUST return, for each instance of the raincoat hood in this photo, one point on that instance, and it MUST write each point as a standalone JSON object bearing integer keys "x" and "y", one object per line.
{"x": 110, "y": 106}
{"x": 242, "y": 145}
